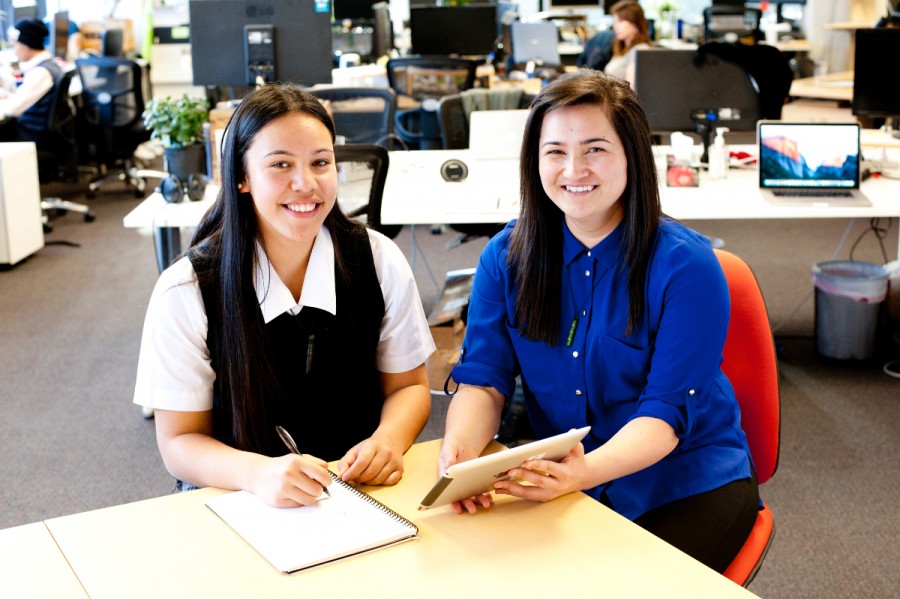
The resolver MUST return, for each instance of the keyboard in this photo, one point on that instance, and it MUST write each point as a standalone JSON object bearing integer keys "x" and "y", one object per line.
{"x": 812, "y": 193}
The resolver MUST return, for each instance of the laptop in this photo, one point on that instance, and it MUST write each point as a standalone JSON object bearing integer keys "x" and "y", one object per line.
{"x": 810, "y": 163}
{"x": 538, "y": 42}
{"x": 496, "y": 134}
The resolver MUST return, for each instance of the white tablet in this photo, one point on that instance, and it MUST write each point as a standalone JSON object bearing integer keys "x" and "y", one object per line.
{"x": 477, "y": 476}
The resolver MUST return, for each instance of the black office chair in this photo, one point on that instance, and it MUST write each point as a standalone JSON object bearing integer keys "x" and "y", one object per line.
{"x": 362, "y": 115}
{"x": 362, "y": 172}
{"x": 769, "y": 69}
{"x": 426, "y": 79}
{"x": 112, "y": 107}
{"x": 57, "y": 151}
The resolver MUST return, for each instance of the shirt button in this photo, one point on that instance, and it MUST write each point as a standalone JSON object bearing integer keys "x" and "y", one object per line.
{"x": 589, "y": 254}
{"x": 584, "y": 312}
{"x": 574, "y": 354}
{"x": 587, "y": 273}
{"x": 691, "y": 392}
{"x": 577, "y": 391}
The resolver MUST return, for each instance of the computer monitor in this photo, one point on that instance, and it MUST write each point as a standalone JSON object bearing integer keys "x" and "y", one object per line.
{"x": 359, "y": 11}
{"x": 537, "y": 42}
{"x": 876, "y": 88}
{"x": 469, "y": 30}
{"x": 240, "y": 42}
{"x": 59, "y": 34}
{"x": 573, "y": 4}
{"x": 681, "y": 91}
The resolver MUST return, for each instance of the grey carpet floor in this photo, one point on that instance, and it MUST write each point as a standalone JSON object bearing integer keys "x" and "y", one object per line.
{"x": 71, "y": 440}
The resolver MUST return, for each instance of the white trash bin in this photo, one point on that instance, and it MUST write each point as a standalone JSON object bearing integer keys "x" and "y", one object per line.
{"x": 848, "y": 299}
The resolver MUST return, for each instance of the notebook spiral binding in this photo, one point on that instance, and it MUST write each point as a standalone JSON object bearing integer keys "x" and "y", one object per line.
{"x": 372, "y": 501}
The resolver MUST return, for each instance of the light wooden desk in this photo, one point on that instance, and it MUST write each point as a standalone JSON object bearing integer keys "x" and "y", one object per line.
{"x": 833, "y": 86}
{"x": 31, "y": 565}
{"x": 174, "y": 546}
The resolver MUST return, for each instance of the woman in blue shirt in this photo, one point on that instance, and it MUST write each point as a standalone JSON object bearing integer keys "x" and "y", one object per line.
{"x": 615, "y": 316}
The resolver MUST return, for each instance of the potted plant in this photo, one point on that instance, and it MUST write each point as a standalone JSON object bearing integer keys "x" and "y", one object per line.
{"x": 178, "y": 125}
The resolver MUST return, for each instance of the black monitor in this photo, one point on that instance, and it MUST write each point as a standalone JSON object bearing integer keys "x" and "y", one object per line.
{"x": 711, "y": 92}
{"x": 876, "y": 88}
{"x": 243, "y": 42}
{"x": 59, "y": 34}
{"x": 453, "y": 30}
{"x": 353, "y": 10}
{"x": 574, "y": 4}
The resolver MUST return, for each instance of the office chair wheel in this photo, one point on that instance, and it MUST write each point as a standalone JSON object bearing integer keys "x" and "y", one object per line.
{"x": 139, "y": 194}
{"x": 89, "y": 217}
{"x": 90, "y": 194}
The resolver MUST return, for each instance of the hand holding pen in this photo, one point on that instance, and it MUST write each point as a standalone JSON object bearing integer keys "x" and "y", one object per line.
{"x": 292, "y": 446}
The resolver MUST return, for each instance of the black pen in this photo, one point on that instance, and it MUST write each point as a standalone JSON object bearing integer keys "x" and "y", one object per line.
{"x": 289, "y": 441}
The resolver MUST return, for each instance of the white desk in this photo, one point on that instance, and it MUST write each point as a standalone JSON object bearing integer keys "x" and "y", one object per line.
{"x": 32, "y": 565}
{"x": 416, "y": 194}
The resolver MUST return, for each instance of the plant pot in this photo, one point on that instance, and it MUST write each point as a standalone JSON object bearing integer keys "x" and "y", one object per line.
{"x": 184, "y": 162}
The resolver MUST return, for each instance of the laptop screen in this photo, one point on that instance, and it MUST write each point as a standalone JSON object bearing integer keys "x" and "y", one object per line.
{"x": 808, "y": 155}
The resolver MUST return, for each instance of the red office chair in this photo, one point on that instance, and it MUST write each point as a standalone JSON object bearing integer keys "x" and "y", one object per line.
{"x": 750, "y": 364}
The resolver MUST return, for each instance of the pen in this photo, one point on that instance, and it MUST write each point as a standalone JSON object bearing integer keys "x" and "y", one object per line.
{"x": 289, "y": 441}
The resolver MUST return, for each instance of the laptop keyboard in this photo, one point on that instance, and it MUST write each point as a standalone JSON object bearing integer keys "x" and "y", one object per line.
{"x": 813, "y": 193}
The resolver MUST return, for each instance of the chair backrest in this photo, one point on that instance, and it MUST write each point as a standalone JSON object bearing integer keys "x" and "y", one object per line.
{"x": 362, "y": 172}
{"x": 742, "y": 23}
{"x": 422, "y": 77}
{"x": 769, "y": 69}
{"x": 112, "y": 91}
{"x": 58, "y": 144}
{"x": 363, "y": 115}
{"x": 750, "y": 364}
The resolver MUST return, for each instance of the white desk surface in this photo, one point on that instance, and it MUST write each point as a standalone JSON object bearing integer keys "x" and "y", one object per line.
{"x": 32, "y": 565}
{"x": 834, "y": 86}
{"x": 572, "y": 546}
{"x": 416, "y": 194}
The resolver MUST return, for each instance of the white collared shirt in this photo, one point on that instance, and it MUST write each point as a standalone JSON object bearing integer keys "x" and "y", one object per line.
{"x": 174, "y": 370}
{"x": 36, "y": 82}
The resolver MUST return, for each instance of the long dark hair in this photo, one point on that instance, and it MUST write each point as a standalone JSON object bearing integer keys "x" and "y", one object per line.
{"x": 535, "y": 254}
{"x": 631, "y": 11}
{"x": 225, "y": 242}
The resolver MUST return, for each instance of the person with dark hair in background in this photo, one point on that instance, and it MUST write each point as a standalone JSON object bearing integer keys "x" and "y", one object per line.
{"x": 632, "y": 32}
{"x": 615, "y": 317}
{"x": 284, "y": 313}
{"x": 25, "y": 106}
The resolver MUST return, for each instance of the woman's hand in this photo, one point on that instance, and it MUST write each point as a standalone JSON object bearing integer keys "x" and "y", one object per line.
{"x": 454, "y": 451}
{"x": 548, "y": 480}
{"x": 291, "y": 480}
{"x": 374, "y": 461}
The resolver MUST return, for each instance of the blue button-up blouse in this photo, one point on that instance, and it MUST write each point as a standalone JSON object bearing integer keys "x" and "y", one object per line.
{"x": 667, "y": 368}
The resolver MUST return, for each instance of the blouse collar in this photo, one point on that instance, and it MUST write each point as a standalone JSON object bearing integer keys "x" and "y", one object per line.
{"x": 607, "y": 251}
{"x": 318, "y": 285}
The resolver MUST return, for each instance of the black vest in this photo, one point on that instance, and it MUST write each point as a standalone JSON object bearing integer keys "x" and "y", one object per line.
{"x": 33, "y": 123}
{"x": 338, "y": 402}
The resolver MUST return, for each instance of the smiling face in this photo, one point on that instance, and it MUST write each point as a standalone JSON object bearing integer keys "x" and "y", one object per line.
{"x": 290, "y": 173}
{"x": 583, "y": 169}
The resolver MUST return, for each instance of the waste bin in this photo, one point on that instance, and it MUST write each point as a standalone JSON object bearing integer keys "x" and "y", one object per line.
{"x": 848, "y": 299}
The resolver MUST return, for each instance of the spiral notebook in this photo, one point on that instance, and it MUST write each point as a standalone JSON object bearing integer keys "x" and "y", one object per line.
{"x": 348, "y": 523}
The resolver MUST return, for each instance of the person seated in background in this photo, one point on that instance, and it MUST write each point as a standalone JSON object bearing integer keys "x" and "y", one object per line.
{"x": 25, "y": 107}
{"x": 632, "y": 32}
{"x": 597, "y": 50}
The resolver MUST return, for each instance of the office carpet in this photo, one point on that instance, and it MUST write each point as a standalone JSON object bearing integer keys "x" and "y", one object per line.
{"x": 71, "y": 440}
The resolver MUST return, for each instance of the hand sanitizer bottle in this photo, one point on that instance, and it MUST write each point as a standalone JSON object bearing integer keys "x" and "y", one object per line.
{"x": 718, "y": 155}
